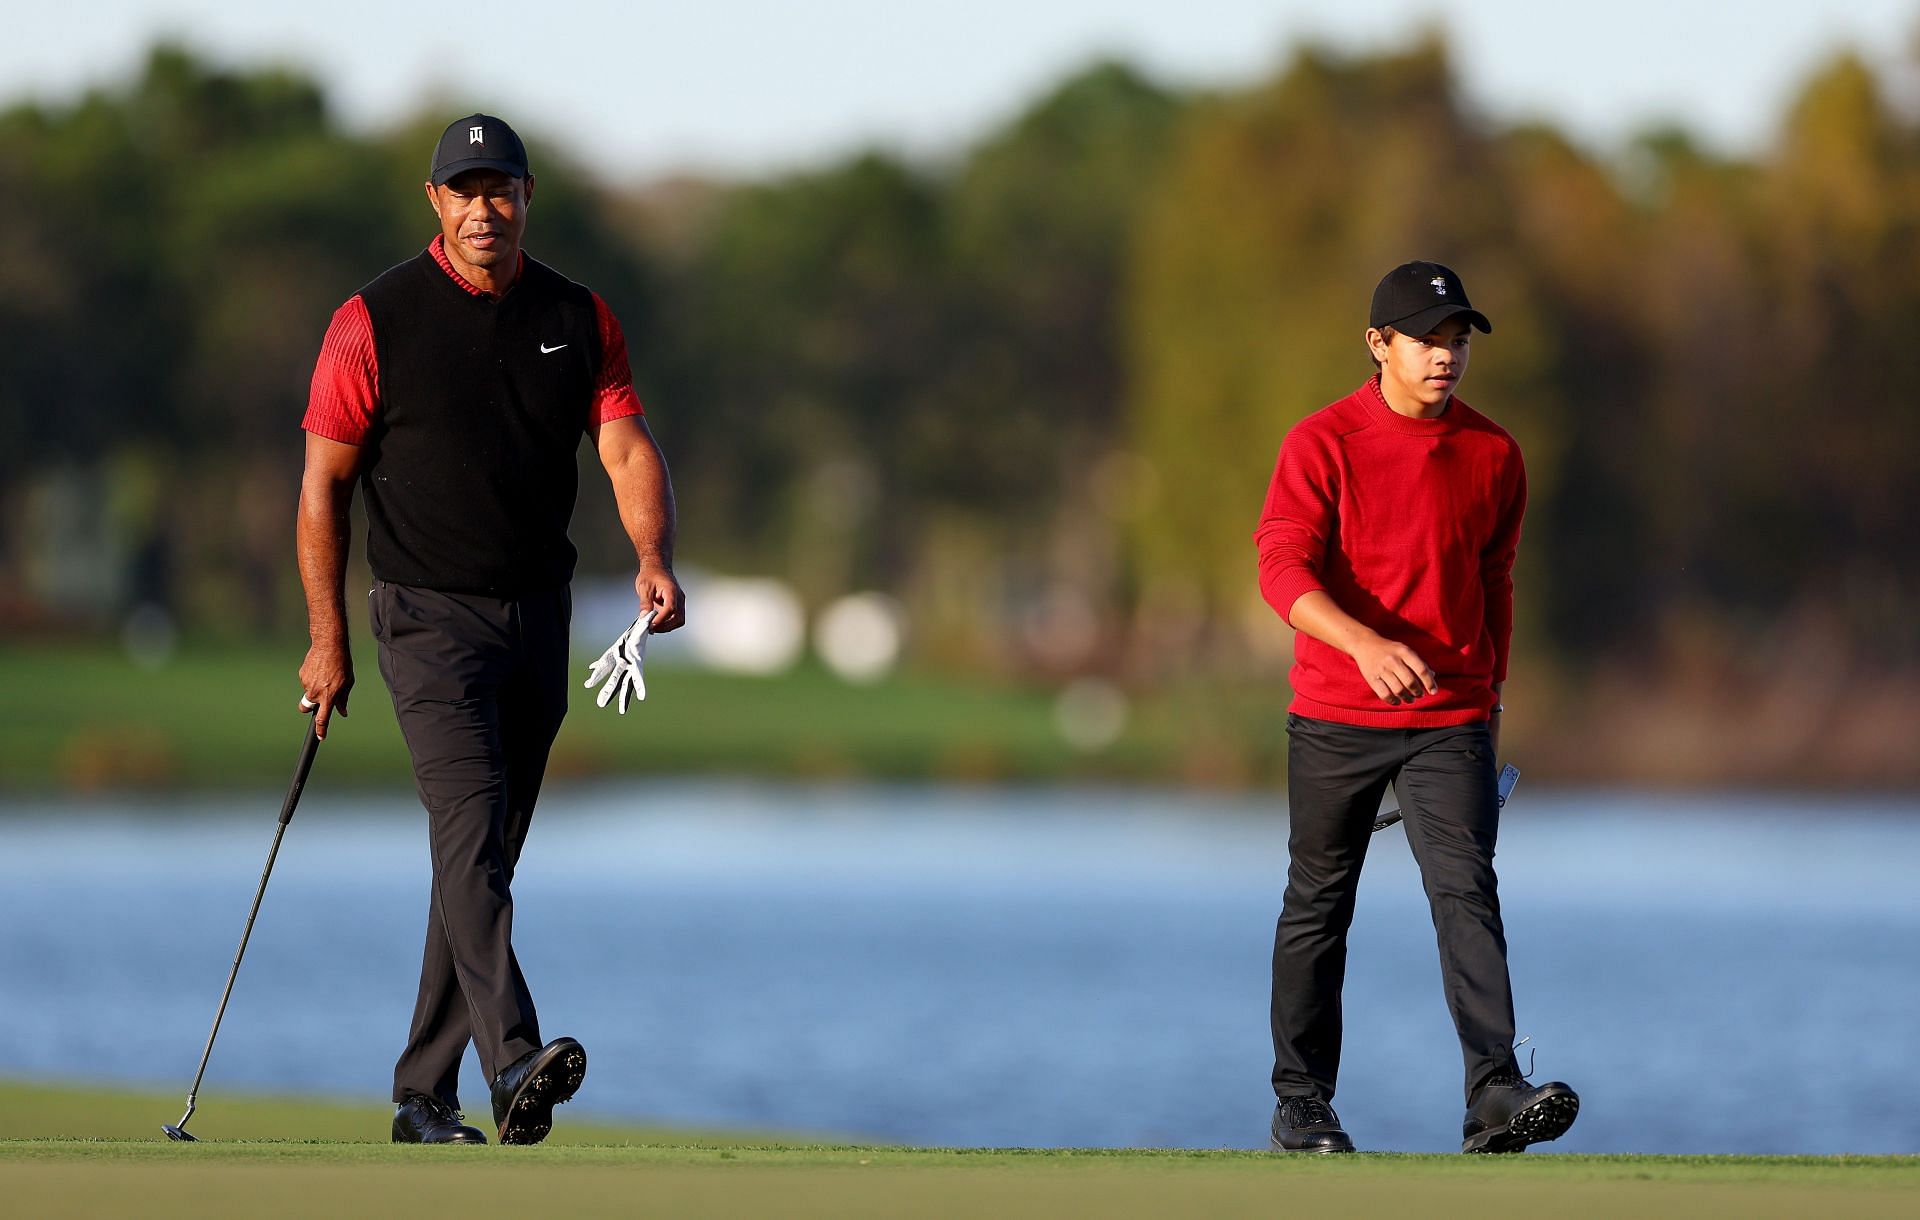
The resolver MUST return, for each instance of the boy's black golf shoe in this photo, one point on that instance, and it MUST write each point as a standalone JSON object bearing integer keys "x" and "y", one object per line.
{"x": 1507, "y": 1114}
{"x": 1307, "y": 1124}
{"x": 526, "y": 1090}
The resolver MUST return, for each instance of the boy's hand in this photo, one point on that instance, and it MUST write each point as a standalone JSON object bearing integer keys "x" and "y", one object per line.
{"x": 1394, "y": 671}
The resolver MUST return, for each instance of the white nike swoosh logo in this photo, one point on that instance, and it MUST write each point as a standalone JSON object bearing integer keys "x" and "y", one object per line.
{"x": 548, "y": 351}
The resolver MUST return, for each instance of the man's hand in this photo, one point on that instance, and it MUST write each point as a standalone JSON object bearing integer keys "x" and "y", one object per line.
{"x": 1394, "y": 671}
{"x": 326, "y": 679}
{"x": 660, "y": 593}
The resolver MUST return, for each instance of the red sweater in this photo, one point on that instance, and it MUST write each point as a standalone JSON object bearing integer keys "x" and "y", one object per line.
{"x": 1410, "y": 525}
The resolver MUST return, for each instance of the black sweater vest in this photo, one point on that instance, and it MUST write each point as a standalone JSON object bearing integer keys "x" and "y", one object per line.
{"x": 470, "y": 479}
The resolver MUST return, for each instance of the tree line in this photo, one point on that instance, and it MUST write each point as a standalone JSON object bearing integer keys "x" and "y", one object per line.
{"x": 1033, "y": 389}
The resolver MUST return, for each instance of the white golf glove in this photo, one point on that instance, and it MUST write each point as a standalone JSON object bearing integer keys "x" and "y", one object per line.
{"x": 619, "y": 666}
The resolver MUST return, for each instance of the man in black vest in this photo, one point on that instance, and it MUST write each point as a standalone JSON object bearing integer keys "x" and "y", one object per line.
{"x": 455, "y": 389}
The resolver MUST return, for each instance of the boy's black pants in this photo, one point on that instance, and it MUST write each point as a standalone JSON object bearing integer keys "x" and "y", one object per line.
{"x": 1336, "y": 777}
{"x": 479, "y": 687}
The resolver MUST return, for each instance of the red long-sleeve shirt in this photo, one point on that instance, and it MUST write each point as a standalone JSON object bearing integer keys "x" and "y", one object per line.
{"x": 345, "y": 394}
{"x": 1410, "y": 525}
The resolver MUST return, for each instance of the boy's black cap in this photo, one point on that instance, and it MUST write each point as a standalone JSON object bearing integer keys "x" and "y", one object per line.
{"x": 479, "y": 141}
{"x": 1413, "y": 298}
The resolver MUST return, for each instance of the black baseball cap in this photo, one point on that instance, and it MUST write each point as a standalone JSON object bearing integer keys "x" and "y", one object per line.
{"x": 479, "y": 141}
{"x": 1414, "y": 298}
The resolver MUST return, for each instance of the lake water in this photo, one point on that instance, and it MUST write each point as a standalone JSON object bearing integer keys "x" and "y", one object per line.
{"x": 997, "y": 967}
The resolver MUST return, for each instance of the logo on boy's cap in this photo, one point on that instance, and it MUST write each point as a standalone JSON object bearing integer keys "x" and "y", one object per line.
{"x": 1415, "y": 298}
{"x": 476, "y": 135}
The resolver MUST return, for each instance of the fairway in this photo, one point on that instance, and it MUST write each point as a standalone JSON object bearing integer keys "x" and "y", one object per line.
{"x": 342, "y": 1167}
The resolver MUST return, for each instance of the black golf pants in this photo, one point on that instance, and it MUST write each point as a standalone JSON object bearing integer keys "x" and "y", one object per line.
{"x": 1336, "y": 777}
{"x": 479, "y": 687}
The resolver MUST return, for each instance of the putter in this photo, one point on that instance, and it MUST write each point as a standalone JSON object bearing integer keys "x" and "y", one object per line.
{"x": 1509, "y": 776}
{"x": 178, "y": 1131}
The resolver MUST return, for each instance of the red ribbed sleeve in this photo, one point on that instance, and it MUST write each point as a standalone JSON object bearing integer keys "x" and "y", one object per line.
{"x": 613, "y": 396}
{"x": 345, "y": 394}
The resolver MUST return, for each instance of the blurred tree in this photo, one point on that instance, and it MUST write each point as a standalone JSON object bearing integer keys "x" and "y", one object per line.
{"x": 797, "y": 336}
{"x": 1043, "y": 214}
{"x": 901, "y": 374}
{"x": 1580, "y": 412}
{"x": 1032, "y": 452}
{"x": 1832, "y": 479}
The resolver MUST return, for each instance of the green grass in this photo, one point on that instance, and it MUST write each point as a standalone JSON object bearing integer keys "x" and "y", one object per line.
{"x": 103, "y": 1118}
{"x": 82, "y": 718}
{"x": 67, "y": 1152}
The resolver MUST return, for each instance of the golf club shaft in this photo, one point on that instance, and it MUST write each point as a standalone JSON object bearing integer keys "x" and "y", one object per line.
{"x": 1509, "y": 776}
{"x": 280, "y": 830}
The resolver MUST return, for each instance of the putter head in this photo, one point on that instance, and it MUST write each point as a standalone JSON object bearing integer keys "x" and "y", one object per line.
{"x": 178, "y": 1133}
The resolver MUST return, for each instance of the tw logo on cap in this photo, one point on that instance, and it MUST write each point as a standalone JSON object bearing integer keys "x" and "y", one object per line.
{"x": 478, "y": 135}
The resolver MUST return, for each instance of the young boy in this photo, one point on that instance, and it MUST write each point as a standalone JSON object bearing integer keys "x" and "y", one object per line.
{"x": 1387, "y": 543}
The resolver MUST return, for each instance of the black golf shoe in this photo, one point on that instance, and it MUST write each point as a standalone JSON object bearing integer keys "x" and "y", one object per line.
{"x": 428, "y": 1120}
{"x": 526, "y": 1090}
{"x": 1507, "y": 1114}
{"x": 1306, "y": 1124}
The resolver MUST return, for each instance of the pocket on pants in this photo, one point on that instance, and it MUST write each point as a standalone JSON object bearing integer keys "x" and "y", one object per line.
{"x": 376, "y": 616}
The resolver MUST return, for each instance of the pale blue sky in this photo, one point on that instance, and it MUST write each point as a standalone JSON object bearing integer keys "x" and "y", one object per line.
{"x": 748, "y": 85}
